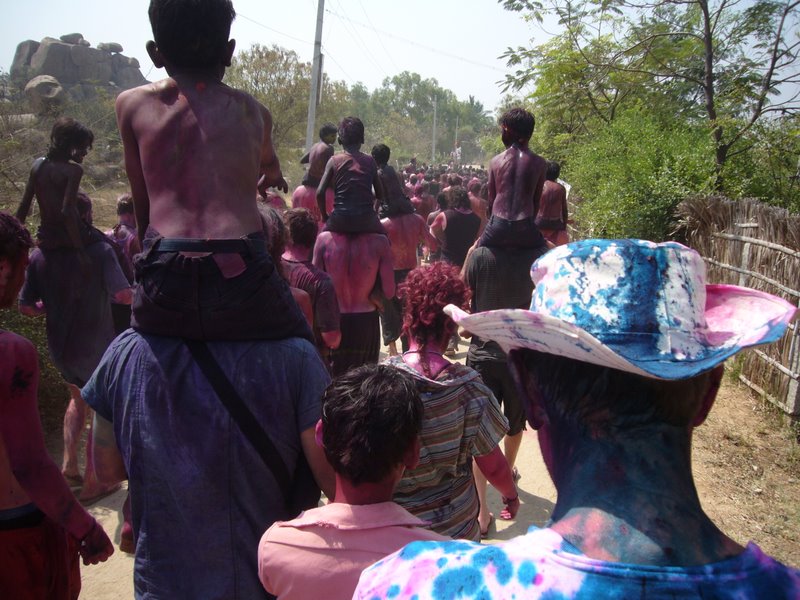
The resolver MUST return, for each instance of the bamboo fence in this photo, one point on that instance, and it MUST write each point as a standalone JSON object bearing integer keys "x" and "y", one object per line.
{"x": 748, "y": 243}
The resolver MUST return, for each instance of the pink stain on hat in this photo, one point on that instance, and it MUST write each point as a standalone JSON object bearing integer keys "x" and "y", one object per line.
{"x": 636, "y": 306}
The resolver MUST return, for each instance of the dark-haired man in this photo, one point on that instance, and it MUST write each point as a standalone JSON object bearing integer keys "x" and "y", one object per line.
{"x": 516, "y": 178}
{"x": 371, "y": 419}
{"x": 305, "y": 195}
{"x": 302, "y": 274}
{"x": 353, "y": 176}
{"x": 618, "y": 361}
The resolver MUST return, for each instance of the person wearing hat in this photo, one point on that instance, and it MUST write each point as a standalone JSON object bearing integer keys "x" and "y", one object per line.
{"x": 618, "y": 360}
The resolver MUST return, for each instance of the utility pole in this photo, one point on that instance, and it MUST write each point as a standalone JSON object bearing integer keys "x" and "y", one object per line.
{"x": 433, "y": 146}
{"x": 316, "y": 77}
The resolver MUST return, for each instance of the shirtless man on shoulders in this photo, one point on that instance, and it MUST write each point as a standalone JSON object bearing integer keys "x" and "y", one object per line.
{"x": 195, "y": 152}
{"x": 305, "y": 195}
{"x": 516, "y": 178}
{"x": 354, "y": 262}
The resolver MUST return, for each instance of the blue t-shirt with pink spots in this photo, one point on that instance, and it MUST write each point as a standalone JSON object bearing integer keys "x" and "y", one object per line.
{"x": 541, "y": 564}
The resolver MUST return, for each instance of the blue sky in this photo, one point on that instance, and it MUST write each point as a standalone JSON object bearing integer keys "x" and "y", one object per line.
{"x": 455, "y": 42}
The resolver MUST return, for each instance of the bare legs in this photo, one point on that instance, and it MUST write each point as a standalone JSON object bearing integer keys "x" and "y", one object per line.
{"x": 74, "y": 424}
{"x": 511, "y": 444}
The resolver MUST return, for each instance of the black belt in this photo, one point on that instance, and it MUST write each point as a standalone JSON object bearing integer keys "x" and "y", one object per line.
{"x": 237, "y": 246}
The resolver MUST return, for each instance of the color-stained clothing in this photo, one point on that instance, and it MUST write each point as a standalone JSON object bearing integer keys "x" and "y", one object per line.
{"x": 322, "y": 553}
{"x": 353, "y": 179}
{"x": 39, "y": 560}
{"x": 361, "y": 342}
{"x": 222, "y": 296}
{"x": 459, "y": 235}
{"x": 543, "y": 565}
{"x": 77, "y": 300}
{"x": 461, "y": 420}
{"x": 319, "y": 286}
{"x": 201, "y": 496}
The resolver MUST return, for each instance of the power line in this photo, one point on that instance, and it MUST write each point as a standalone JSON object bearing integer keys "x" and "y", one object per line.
{"x": 366, "y": 52}
{"x": 291, "y": 37}
{"x": 418, "y": 45}
{"x": 396, "y": 68}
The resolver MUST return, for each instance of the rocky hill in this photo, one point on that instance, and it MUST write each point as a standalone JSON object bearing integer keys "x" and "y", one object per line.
{"x": 55, "y": 71}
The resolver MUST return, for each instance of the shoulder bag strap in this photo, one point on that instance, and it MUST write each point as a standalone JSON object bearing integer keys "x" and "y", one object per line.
{"x": 241, "y": 414}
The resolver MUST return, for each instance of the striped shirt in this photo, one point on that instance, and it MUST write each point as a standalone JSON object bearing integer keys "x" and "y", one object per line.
{"x": 462, "y": 419}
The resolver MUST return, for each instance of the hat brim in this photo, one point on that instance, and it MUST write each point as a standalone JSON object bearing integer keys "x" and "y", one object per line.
{"x": 736, "y": 318}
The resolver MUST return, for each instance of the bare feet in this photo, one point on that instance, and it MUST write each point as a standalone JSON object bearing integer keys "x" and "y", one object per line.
{"x": 96, "y": 494}
{"x": 485, "y": 525}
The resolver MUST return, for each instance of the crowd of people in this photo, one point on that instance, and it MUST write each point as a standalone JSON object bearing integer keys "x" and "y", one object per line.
{"x": 227, "y": 349}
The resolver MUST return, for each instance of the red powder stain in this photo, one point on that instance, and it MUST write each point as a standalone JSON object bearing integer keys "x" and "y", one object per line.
{"x": 201, "y": 86}
{"x": 538, "y": 579}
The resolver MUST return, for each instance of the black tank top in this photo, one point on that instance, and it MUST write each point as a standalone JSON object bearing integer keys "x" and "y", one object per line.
{"x": 460, "y": 233}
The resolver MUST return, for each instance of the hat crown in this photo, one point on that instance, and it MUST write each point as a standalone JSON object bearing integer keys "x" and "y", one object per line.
{"x": 649, "y": 297}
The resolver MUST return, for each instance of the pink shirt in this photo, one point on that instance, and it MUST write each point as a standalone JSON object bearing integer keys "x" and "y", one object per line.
{"x": 321, "y": 553}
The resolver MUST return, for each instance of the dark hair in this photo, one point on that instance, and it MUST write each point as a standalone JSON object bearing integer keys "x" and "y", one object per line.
{"x": 425, "y": 292}
{"x": 474, "y": 187}
{"x": 351, "y": 131}
{"x": 302, "y": 226}
{"x": 520, "y": 122}
{"x": 553, "y": 170}
{"x": 15, "y": 241}
{"x": 458, "y": 197}
{"x": 326, "y": 130}
{"x": 275, "y": 230}
{"x": 192, "y": 34}
{"x": 381, "y": 153}
{"x": 14, "y": 238}
{"x": 371, "y": 415}
{"x": 589, "y": 398}
{"x": 66, "y": 135}
{"x": 441, "y": 200}
{"x": 125, "y": 204}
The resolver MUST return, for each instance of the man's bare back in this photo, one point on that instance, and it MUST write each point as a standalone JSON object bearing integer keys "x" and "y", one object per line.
{"x": 405, "y": 233}
{"x": 353, "y": 261}
{"x": 194, "y": 151}
{"x": 516, "y": 178}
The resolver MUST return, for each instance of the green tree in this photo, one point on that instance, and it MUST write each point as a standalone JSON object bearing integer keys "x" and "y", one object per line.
{"x": 633, "y": 172}
{"x": 728, "y": 63}
{"x": 278, "y": 79}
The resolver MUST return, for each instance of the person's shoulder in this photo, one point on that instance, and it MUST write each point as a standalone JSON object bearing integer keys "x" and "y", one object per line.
{"x": 16, "y": 347}
{"x": 150, "y": 90}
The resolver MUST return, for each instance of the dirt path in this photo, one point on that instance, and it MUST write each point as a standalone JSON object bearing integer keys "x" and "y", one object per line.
{"x": 747, "y": 469}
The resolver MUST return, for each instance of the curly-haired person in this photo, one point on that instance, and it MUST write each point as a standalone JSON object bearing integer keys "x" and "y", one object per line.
{"x": 371, "y": 418}
{"x": 462, "y": 419}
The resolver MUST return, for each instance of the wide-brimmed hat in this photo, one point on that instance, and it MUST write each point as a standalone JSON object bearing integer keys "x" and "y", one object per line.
{"x": 635, "y": 306}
